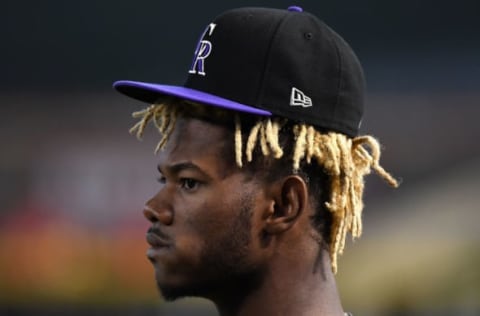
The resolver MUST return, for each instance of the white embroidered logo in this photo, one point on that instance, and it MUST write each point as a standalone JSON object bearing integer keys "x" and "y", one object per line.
{"x": 203, "y": 50}
{"x": 298, "y": 98}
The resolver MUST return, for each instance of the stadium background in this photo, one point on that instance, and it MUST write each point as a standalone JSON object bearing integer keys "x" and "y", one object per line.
{"x": 72, "y": 181}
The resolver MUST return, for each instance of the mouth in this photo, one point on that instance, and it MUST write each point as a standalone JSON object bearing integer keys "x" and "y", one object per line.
{"x": 158, "y": 242}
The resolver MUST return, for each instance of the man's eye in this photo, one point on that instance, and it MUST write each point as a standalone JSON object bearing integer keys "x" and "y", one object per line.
{"x": 161, "y": 180}
{"x": 189, "y": 184}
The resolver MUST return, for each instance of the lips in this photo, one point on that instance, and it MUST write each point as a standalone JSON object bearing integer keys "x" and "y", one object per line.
{"x": 157, "y": 241}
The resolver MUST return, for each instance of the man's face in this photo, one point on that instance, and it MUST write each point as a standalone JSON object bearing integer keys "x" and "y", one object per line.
{"x": 206, "y": 232}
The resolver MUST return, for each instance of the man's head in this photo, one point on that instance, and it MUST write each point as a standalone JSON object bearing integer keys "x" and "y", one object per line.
{"x": 223, "y": 223}
{"x": 204, "y": 211}
{"x": 258, "y": 151}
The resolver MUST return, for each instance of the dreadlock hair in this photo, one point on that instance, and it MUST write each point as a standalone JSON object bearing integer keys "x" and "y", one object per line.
{"x": 332, "y": 164}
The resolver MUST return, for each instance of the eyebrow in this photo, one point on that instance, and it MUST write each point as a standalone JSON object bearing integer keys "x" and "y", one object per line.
{"x": 181, "y": 166}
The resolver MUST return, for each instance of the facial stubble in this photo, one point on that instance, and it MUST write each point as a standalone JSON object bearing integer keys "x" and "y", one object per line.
{"x": 225, "y": 261}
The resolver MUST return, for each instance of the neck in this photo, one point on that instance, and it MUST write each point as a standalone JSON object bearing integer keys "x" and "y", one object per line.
{"x": 289, "y": 288}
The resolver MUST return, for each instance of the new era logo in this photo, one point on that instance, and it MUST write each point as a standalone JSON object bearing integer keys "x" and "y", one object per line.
{"x": 298, "y": 98}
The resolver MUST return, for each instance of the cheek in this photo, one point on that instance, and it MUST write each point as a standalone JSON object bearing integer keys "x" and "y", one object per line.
{"x": 211, "y": 219}
{"x": 201, "y": 240}
{"x": 189, "y": 249}
{"x": 201, "y": 221}
{"x": 224, "y": 214}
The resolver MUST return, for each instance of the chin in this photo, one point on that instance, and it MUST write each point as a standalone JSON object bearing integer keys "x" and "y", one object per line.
{"x": 172, "y": 293}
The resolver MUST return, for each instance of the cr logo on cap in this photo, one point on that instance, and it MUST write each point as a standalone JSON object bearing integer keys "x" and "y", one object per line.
{"x": 203, "y": 50}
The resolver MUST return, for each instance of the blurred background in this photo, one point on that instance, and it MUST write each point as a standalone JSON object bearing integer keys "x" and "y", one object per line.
{"x": 73, "y": 181}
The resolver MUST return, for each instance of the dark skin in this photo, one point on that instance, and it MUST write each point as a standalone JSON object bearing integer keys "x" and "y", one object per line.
{"x": 220, "y": 233}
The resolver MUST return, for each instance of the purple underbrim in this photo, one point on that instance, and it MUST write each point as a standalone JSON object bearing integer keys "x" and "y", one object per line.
{"x": 150, "y": 92}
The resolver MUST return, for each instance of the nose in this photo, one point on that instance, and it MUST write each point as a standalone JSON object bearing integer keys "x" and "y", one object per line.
{"x": 158, "y": 212}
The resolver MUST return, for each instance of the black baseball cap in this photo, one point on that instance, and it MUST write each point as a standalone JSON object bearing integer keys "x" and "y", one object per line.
{"x": 271, "y": 62}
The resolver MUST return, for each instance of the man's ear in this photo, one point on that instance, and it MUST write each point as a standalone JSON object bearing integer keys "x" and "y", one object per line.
{"x": 290, "y": 197}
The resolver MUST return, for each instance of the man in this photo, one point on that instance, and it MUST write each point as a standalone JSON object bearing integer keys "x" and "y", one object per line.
{"x": 261, "y": 169}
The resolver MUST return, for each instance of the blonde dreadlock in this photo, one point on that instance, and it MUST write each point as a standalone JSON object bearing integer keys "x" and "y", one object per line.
{"x": 346, "y": 161}
{"x": 164, "y": 118}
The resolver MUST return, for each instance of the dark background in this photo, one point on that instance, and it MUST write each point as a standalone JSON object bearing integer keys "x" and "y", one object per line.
{"x": 72, "y": 181}
{"x": 87, "y": 44}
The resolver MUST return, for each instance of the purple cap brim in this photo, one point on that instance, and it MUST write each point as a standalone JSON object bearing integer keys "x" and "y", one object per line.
{"x": 151, "y": 92}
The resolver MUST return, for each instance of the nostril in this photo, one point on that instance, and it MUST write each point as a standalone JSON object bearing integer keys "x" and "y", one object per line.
{"x": 150, "y": 214}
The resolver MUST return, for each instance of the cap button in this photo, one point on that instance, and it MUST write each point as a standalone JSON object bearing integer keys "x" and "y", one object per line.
{"x": 295, "y": 8}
